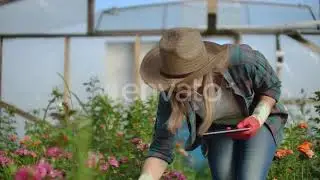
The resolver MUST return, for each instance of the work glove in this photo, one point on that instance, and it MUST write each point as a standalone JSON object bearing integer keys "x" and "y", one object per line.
{"x": 250, "y": 122}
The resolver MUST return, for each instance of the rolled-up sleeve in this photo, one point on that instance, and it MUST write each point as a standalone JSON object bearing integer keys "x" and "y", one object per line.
{"x": 265, "y": 81}
{"x": 162, "y": 144}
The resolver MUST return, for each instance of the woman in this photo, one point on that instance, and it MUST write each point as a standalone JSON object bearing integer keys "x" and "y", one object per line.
{"x": 213, "y": 87}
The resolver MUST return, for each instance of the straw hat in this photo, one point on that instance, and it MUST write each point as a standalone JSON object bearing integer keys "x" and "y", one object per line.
{"x": 181, "y": 56}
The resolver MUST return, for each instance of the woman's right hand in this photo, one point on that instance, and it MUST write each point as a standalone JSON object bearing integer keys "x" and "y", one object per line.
{"x": 153, "y": 169}
{"x": 145, "y": 176}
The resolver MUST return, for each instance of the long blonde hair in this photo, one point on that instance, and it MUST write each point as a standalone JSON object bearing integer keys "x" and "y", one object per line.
{"x": 179, "y": 109}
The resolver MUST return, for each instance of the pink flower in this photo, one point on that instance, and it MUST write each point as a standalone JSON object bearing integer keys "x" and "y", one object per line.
{"x": 104, "y": 167}
{"x": 68, "y": 155}
{"x": 43, "y": 168}
{"x": 33, "y": 154}
{"x": 25, "y": 152}
{"x": 120, "y": 134}
{"x": 309, "y": 153}
{"x": 41, "y": 171}
{"x": 22, "y": 174}
{"x": 136, "y": 141}
{"x": 37, "y": 172}
{"x": 22, "y": 152}
{"x": 142, "y": 147}
{"x": 174, "y": 175}
{"x": 5, "y": 161}
{"x": 54, "y": 152}
{"x": 92, "y": 160}
{"x": 2, "y": 153}
{"x": 55, "y": 174}
{"x": 13, "y": 137}
{"x": 25, "y": 139}
{"x": 123, "y": 160}
{"x": 26, "y": 173}
{"x": 113, "y": 161}
{"x": 91, "y": 163}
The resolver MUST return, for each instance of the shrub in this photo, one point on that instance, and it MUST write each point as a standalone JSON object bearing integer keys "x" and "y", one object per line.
{"x": 107, "y": 139}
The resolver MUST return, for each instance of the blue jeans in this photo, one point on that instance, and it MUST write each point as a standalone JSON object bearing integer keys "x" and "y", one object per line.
{"x": 241, "y": 159}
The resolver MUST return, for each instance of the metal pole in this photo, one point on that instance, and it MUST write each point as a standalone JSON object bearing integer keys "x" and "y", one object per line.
{"x": 212, "y": 15}
{"x": 307, "y": 43}
{"x": 137, "y": 47}
{"x": 113, "y": 33}
{"x": 66, "y": 69}
{"x": 20, "y": 112}
{"x": 279, "y": 55}
{"x": 1, "y": 68}
{"x": 66, "y": 76}
{"x": 90, "y": 17}
{"x": 237, "y": 38}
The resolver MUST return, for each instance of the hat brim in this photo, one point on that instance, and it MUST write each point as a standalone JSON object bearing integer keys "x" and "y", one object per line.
{"x": 150, "y": 67}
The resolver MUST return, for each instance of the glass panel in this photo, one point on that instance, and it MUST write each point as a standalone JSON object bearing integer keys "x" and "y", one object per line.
{"x": 43, "y": 16}
{"x": 193, "y": 13}
{"x": 261, "y": 14}
{"x": 155, "y": 16}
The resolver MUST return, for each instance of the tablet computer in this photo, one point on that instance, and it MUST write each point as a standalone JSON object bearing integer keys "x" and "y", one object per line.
{"x": 226, "y": 131}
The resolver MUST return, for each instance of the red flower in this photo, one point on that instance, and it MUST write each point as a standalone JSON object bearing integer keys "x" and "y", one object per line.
{"x": 281, "y": 153}
{"x": 102, "y": 126}
{"x": 303, "y": 125}
{"x": 65, "y": 138}
{"x": 305, "y": 148}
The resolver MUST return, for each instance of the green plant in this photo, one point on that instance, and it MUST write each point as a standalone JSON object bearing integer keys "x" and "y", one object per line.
{"x": 8, "y": 133}
{"x": 107, "y": 139}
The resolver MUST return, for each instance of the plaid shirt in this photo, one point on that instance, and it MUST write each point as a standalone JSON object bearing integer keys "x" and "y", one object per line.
{"x": 249, "y": 76}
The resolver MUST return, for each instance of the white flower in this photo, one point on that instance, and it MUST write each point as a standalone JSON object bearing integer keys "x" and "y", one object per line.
{"x": 97, "y": 108}
{"x": 124, "y": 115}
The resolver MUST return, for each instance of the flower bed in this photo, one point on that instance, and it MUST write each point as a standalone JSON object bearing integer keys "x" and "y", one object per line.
{"x": 107, "y": 140}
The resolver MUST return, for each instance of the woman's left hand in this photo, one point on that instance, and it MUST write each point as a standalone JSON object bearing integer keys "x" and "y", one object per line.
{"x": 250, "y": 122}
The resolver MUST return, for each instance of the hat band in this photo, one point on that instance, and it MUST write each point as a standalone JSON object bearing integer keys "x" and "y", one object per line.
{"x": 174, "y": 76}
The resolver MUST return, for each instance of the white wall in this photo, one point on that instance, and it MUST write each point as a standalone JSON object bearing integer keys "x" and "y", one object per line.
{"x": 30, "y": 70}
